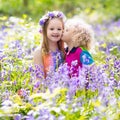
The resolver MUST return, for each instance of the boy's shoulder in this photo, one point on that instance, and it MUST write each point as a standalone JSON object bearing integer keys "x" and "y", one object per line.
{"x": 85, "y": 57}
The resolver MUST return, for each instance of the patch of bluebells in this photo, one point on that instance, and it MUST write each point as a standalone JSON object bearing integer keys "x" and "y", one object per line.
{"x": 95, "y": 83}
{"x": 106, "y": 33}
{"x": 97, "y": 79}
{"x": 18, "y": 117}
{"x": 91, "y": 78}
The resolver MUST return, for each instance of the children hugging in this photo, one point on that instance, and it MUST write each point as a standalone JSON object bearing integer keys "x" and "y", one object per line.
{"x": 56, "y": 32}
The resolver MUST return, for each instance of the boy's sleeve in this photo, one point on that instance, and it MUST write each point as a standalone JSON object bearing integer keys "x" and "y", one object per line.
{"x": 86, "y": 58}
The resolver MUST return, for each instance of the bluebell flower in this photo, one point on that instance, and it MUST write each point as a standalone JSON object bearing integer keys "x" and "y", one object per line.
{"x": 51, "y": 14}
{"x": 18, "y": 117}
{"x": 42, "y": 22}
{"x": 30, "y": 117}
{"x": 7, "y": 103}
{"x": 60, "y": 15}
{"x": 37, "y": 84}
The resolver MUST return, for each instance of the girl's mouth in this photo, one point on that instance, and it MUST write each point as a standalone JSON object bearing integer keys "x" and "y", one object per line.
{"x": 55, "y": 35}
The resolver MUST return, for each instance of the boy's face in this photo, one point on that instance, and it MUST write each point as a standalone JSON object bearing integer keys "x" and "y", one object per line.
{"x": 67, "y": 34}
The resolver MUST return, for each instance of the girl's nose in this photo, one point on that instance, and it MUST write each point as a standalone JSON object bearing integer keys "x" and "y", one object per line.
{"x": 55, "y": 31}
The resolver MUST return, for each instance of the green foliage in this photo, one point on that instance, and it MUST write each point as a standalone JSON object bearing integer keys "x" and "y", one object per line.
{"x": 36, "y": 8}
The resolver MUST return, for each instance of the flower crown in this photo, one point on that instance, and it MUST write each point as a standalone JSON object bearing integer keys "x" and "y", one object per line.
{"x": 51, "y": 15}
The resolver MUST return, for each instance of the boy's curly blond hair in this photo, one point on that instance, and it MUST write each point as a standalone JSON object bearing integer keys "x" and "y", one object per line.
{"x": 83, "y": 34}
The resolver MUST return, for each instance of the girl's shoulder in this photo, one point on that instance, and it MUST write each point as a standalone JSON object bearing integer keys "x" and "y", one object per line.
{"x": 37, "y": 56}
{"x": 37, "y": 50}
{"x": 37, "y": 53}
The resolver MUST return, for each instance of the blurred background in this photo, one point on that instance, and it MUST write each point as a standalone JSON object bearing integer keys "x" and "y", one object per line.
{"x": 94, "y": 10}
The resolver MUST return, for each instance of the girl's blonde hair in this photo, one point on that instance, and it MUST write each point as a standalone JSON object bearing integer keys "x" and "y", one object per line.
{"x": 83, "y": 35}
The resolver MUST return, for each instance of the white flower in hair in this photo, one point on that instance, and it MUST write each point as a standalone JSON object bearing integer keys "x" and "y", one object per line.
{"x": 51, "y": 15}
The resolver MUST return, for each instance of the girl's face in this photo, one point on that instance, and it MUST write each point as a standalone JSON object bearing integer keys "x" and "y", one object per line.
{"x": 67, "y": 34}
{"x": 54, "y": 30}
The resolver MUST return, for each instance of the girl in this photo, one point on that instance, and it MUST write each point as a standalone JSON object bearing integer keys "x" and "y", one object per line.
{"x": 78, "y": 37}
{"x": 50, "y": 54}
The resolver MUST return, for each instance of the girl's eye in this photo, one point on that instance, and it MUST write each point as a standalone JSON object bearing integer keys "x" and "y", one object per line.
{"x": 51, "y": 28}
{"x": 59, "y": 29}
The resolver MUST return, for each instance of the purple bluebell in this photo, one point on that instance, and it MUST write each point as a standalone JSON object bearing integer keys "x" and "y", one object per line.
{"x": 18, "y": 117}
{"x": 42, "y": 21}
{"x": 51, "y": 14}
